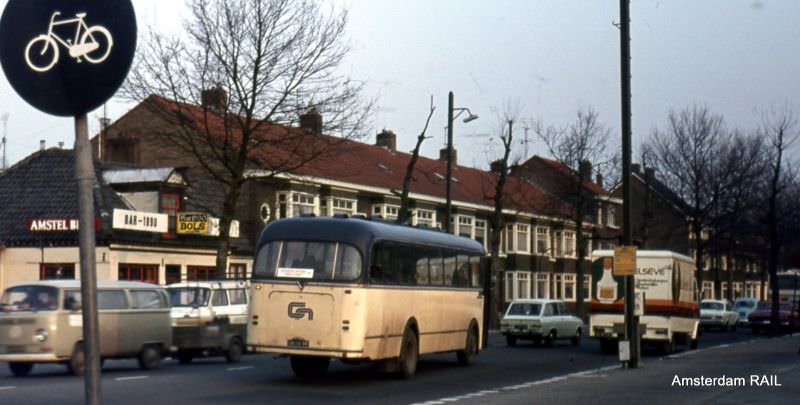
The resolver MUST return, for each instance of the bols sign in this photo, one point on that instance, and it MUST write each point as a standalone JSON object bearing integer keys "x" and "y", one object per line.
{"x": 67, "y": 57}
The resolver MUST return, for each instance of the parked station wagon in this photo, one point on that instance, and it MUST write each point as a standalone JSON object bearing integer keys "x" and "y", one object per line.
{"x": 540, "y": 320}
{"x": 41, "y": 322}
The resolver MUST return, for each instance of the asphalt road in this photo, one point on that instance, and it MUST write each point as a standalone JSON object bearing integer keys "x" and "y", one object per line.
{"x": 264, "y": 378}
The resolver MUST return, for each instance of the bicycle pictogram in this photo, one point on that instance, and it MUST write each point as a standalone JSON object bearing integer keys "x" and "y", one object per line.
{"x": 91, "y": 43}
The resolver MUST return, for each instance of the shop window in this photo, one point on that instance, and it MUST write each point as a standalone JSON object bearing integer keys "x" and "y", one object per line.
{"x": 147, "y": 273}
{"x": 57, "y": 271}
{"x": 199, "y": 273}
{"x": 172, "y": 273}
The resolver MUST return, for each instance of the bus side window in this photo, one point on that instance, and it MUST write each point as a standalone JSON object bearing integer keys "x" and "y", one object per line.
{"x": 436, "y": 267}
{"x": 474, "y": 271}
{"x": 461, "y": 278}
{"x": 449, "y": 268}
{"x": 422, "y": 275}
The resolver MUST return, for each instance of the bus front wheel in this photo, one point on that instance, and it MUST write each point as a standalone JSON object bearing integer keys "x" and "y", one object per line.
{"x": 309, "y": 366}
{"x": 467, "y": 356}
{"x": 409, "y": 353}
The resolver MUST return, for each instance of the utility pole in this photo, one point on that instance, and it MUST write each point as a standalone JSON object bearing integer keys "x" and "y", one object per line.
{"x": 448, "y": 197}
{"x": 631, "y": 321}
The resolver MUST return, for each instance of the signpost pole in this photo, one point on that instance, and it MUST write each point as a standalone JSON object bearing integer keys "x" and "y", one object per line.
{"x": 84, "y": 173}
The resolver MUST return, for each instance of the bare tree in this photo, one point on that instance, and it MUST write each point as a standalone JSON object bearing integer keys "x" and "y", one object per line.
{"x": 685, "y": 153}
{"x": 779, "y": 129}
{"x": 266, "y": 62}
{"x": 403, "y": 215}
{"x": 576, "y": 146}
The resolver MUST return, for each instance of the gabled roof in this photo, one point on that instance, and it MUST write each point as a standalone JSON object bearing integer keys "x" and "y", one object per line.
{"x": 43, "y": 186}
{"x": 142, "y": 175}
{"x": 660, "y": 189}
{"x": 278, "y": 148}
{"x": 563, "y": 171}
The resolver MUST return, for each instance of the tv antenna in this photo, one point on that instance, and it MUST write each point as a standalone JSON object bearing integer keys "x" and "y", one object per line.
{"x": 4, "y": 118}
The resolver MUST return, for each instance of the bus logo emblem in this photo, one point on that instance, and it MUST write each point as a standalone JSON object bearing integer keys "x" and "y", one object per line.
{"x": 298, "y": 310}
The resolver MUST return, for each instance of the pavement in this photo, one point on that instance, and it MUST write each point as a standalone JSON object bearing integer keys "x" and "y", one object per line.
{"x": 762, "y": 371}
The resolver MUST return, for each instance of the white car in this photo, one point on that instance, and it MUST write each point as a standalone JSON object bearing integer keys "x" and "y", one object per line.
{"x": 540, "y": 320}
{"x": 744, "y": 306}
{"x": 718, "y": 314}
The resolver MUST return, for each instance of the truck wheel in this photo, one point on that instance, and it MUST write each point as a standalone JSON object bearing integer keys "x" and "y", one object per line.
{"x": 511, "y": 340}
{"x": 235, "y": 350}
{"x": 185, "y": 356}
{"x": 409, "y": 354}
{"x": 149, "y": 357}
{"x": 20, "y": 369}
{"x": 608, "y": 346}
{"x": 467, "y": 356}
{"x": 309, "y": 366}
{"x": 77, "y": 363}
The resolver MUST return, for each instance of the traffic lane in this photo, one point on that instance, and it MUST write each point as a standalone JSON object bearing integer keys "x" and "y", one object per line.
{"x": 264, "y": 376}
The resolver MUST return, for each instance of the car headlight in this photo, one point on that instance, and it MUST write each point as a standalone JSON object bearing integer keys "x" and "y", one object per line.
{"x": 40, "y": 335}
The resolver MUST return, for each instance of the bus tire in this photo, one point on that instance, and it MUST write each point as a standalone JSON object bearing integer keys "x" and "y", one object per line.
{"x": 184, "y": 356}
{"x": 309, "y": 366}
{"x": 467, "y": 356}
{"x": 409, "y": 354}
{"x": 235, "y": 350}
{"x": 149, "y": 357}
{"x": 20, "y": 369}
{"x": 77, "y": 363}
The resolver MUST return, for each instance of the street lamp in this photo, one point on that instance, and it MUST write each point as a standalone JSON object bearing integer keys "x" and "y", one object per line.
{"x": 448, "y": 181}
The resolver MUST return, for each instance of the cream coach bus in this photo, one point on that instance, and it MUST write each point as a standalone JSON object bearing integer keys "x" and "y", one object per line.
{"x": 360, "y": 290}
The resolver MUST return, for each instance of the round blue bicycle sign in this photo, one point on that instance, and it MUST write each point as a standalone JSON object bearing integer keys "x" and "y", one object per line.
{"x": 67, "y": 57}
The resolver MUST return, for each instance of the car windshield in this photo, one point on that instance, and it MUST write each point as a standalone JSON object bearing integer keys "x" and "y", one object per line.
{"x": 188, "y": 296}
{"x": 744, "y": 304}
{"x": 524, "y": 309}
{"x": 29, "y": 298}
{"x": 717, "y": 306}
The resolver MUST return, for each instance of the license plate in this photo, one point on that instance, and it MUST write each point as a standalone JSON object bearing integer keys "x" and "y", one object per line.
{"x": 297, "y": 342}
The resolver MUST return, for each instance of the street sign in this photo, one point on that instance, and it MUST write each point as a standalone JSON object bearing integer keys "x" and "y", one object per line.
{"x": 625, "y": 260}
{"x": 67, "y": 57}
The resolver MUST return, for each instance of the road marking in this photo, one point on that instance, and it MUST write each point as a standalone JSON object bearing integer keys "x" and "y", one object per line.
{"x": 136, "y": 377}
{"x": 239, "y": 368}
{"x": 8, "y": 387}
{"x": 519, "y": 386}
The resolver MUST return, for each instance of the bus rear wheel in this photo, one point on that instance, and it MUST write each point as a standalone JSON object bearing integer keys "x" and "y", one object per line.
{"x": 309, "y": 366}
{"x": 467, "y": 356}
{"x": 409, "y": 354}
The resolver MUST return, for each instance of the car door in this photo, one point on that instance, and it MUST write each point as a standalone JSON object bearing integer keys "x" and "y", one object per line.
{"x": 549, "y": 318}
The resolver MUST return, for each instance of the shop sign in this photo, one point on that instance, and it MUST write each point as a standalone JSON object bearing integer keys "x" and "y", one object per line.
{"x": 140, "y": 221}
{"x": 192, "y": 223}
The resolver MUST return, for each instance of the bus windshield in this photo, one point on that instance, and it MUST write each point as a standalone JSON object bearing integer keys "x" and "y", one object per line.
{"x": 29, "y": 298}
{"x": 319, "y": 261}
{"x": 188, "y": 296}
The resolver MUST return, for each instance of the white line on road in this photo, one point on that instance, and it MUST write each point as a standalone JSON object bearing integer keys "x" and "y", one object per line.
{"x": 136, "y": 377}
{"x": 519, "y": 386}
{"x": 8, "y": 387}
{"x": 239, "y": 368}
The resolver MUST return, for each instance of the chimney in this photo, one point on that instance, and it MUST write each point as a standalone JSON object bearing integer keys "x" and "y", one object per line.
{"x": 649, "y": 173}
{"x": 42, "y": 144}
{"x": 585, "y": 169}
{"x": 387, "y": 139}
{"x": 311, "y": 121}
{"x": 635, "y": 168}
{"x": 61, "y": 145}
{"x": 443, "y": 156}
{"x": 599, "y": 180}
{"x": 215, "y": 99}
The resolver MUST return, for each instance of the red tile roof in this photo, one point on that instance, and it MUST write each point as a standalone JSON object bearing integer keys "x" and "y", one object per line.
{"x": 564, "y": 171}
{"x": 297, "y": 152}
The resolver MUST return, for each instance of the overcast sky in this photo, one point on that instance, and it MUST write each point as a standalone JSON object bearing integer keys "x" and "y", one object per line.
{"x": 553, "y": 57}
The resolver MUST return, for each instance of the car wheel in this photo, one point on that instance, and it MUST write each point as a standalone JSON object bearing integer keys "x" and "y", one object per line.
{"x": 551, "y": 338}
{"x": 511, "y": 340}
{"x": 77, "y": 363}
{"x": 235, "y": 350}
{"x": 20, "y": 369}
{"x": 576, "y": 340}
{"x": 149, "y": 357}
{"x": 185, "y": 356}
{"x": 409, "y": 354}
{"x": 467, "y": 356}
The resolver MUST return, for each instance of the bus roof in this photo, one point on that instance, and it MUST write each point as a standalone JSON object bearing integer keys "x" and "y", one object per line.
{"x": 361, "y": 233}
{"x": 663, "y": 254}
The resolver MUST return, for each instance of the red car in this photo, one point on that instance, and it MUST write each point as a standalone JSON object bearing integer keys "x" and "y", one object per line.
{"x": 760, "y": 318}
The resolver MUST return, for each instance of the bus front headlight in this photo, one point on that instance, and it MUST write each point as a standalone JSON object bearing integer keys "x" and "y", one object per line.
{"x": 40, "y": 335}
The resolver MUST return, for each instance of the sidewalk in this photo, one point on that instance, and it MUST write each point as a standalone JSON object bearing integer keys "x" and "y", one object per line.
{"x": 741, "y": 373}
